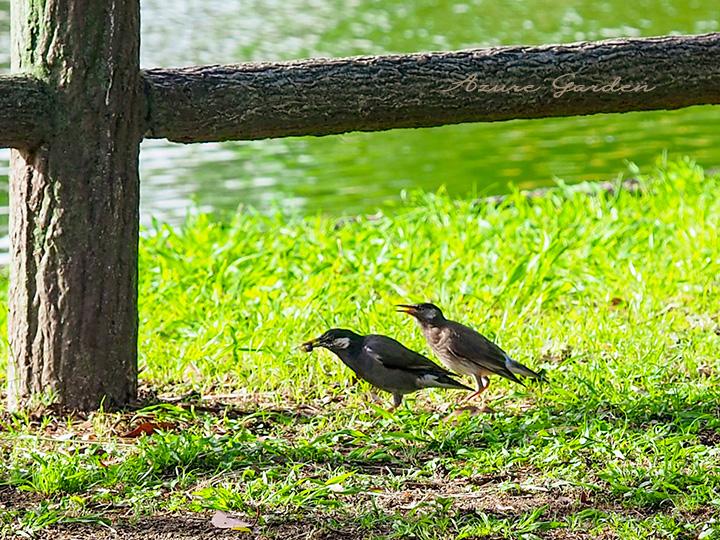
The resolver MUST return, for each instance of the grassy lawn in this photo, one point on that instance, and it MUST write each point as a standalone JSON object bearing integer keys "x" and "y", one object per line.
{"x": 616, "y": 296}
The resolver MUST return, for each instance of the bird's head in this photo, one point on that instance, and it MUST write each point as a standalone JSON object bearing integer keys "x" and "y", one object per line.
{"x": 335, "y": 340}
{"x": 424, "y": 313}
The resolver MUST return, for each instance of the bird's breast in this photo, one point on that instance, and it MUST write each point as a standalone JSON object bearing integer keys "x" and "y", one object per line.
{"x": 439, "y": 341}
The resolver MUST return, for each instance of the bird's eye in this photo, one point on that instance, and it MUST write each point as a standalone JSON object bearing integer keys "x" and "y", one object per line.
{"x": 342, "y": 343}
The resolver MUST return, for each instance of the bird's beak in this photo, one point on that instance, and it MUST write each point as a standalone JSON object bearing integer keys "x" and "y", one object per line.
{"x": 406, "y": 308}
{"x": 308, "y": 346}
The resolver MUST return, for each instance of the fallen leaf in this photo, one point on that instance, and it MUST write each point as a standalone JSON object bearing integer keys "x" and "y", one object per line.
{"x": 221, "y": 520}
{"x": 148, "y": 428}
{"x": 705, "y": 370}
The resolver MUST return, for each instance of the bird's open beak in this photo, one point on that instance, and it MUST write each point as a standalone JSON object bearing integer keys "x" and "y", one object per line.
{"x": 308, "y": 346}
{"x": 406, "y": 308}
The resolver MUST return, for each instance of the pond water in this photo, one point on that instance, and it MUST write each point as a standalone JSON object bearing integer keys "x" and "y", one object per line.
{"x": 359, "y": 172}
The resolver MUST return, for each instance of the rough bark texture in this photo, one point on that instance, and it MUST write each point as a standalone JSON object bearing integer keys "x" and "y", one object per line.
{"x": 74, "y": 207}
{"x": 320, "y": 97}
{"x": 24, "y": 111}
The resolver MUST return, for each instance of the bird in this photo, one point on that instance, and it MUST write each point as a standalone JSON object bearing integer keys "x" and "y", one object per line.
{"x": 464, "y": 350}
{"x": 385, "y": 363}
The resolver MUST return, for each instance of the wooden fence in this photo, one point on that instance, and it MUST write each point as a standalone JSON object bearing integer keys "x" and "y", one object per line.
{"x": 77, "y": 106}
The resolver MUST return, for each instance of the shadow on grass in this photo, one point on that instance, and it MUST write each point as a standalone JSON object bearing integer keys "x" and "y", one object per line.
{"x": 392, "y": 452}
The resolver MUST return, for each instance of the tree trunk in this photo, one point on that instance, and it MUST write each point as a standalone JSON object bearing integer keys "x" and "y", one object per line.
{"x": 326, "y": 96}
{"x": 74, "y": 207}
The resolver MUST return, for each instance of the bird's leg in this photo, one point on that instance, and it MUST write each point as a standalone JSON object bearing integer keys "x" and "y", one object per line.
{"x": 482, "y": 382}
{"x": 485, "y": 383}
{"x": 397, "y": 400}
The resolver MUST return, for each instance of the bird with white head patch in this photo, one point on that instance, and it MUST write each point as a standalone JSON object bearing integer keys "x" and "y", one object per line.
{"x": 385, "y": 363}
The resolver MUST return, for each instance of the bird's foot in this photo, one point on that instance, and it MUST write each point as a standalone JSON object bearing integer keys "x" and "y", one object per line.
{"x": 472, "y": 396}
{"x": 475, "y": 394}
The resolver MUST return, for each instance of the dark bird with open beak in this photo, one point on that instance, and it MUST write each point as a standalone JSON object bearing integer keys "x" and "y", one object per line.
{"x": 464, "y": 350}
{"x": 385, "y": 363}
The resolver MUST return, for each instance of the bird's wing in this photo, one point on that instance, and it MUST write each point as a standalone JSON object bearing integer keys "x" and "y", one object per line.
{"x": 469, "y": 345}
{"x": 394, "y": 355}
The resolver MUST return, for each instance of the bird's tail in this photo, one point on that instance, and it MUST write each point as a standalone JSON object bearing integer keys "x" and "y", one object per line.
{"x": 518, "y": 369}
{"x": 441, "y": 380}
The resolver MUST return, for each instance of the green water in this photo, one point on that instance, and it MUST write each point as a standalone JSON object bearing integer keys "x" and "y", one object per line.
{"x": 359, "y": 172}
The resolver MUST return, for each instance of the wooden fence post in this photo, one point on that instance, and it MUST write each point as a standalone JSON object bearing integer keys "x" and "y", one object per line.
{"x": 74, "y": 206}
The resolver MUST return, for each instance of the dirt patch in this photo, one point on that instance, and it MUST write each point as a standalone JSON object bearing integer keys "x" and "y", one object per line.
{"x": 511, "y": 495}
{"x": 709, "y": 437}
{"x": 11, "y": 498}
{"x": 466, "y": 500}
{"x": 198, "y": 527}
{"x": 158, "y": 527}
{"x": 501, "y": 500}
{"x": 565, "y": 534}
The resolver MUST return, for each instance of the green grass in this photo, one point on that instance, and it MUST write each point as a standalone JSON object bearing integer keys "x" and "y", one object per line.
{"x": 616, "y": 296}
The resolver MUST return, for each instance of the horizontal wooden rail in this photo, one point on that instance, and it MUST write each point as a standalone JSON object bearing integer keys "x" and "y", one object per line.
{"x": 329, "y": 96}
{"x": 322, "y": 97}
{"x": 24, "y": 111}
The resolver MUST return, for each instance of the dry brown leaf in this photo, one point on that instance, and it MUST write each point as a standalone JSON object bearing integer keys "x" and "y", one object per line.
{"x": 222, "y": 520}
{"x": 705, "y": 370}
{"x": 148, "y": 428}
